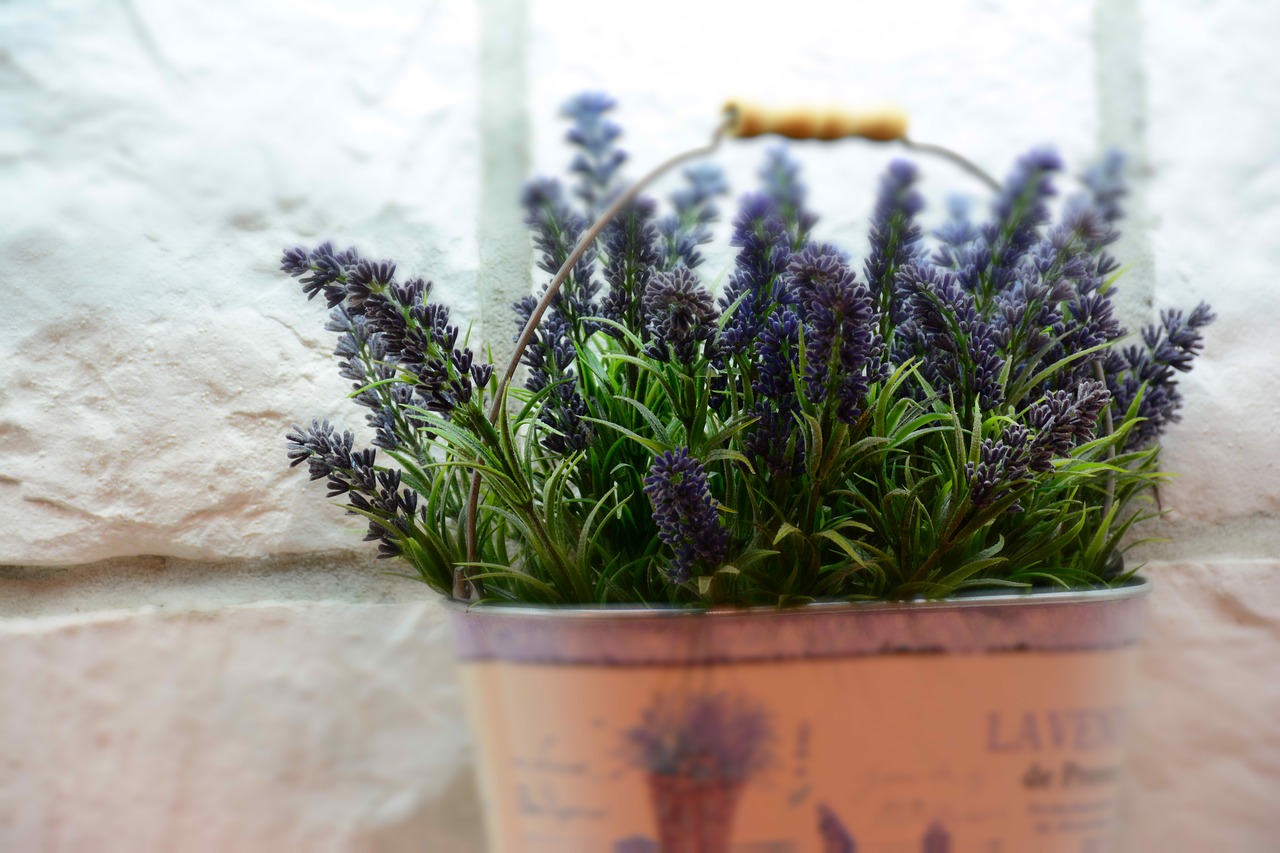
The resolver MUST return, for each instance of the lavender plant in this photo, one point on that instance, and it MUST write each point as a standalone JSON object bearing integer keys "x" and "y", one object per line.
{"x": 961, "y": 410}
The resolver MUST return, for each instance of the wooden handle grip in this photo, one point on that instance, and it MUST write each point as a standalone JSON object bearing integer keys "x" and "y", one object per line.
{"x": 881, "y": 124}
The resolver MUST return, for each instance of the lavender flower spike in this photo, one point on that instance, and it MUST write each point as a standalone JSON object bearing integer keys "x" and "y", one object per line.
{"x": 690, "y": 226}
{"x": 777, "y": 351}
{"x": 958, "y": 348}
{"x": 550, "y": 361}
{"x": 631, "y": 248}
{"x": 1063, "y": 420}
{"x": 759, "y": 233}
{"x": 841, "y": 318}
{"x": 894, "y": 232}
{"x": 685, "y": 513}
{"x": 598, "y": 158}
{"x": 780, "y": 177}
{"x": 1002, "y": 465}
{"x": 556, "y": 228}
{"x": 1107, "y": 184}
{"x": 680, "y": 315}
{"x": 1021, "y": 208}
{"x": 1150, "y": 370}
{"x": 352, "y": 473}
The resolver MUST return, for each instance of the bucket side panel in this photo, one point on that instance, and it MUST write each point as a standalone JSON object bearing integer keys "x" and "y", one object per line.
{"x": 1015, "y": 751}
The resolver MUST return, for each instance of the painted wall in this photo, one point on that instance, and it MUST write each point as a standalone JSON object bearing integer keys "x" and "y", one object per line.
{"x": 191, "y": 654}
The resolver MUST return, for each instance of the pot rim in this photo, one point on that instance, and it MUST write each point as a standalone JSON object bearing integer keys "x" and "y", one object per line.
{"x": 625, "y": 635}
{"x": 1135, "y": 587}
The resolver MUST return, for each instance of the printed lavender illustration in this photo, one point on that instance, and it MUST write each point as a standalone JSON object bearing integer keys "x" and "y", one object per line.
{"x": 836, "y": 837}
{"x": 937, "y": 839}
{"x": 698, "y": 750}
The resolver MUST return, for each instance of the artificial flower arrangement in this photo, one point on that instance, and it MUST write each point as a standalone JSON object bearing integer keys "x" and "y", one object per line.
{"x": 954, "y": 412}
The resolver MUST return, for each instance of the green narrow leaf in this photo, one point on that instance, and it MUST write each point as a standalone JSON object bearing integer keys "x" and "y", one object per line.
{"x": 785, "y": 530}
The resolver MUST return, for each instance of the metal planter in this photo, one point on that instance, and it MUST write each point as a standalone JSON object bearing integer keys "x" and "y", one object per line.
{"x": 988, "y": 723}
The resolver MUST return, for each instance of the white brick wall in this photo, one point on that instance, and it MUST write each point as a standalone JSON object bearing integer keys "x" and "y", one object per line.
{"x": 240, "y": 728}
{"x": 155, "y": 157}
{"x": 1214, "y": 138}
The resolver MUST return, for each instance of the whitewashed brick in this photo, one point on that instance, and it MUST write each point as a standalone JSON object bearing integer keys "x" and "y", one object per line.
{"x": 1205, "y": 730}
{"x": 269, "y": 727}
{"x": 1214, "y": 140}
{"x": 151, "y": 356}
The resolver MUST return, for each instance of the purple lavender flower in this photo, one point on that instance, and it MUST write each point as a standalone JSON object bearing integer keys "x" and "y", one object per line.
{"x": 383, "y": 419}
{"x": 321, "y": 270}
{"x": 446, "y": 375}
{"x": 780, "y": 177}
{"x": 551, "y": 353}
{"x": 598, "y": 157}
{"x": 1002, "y": 466}
{"x": 1069, "y": 261}
{"x": 550, "y": 357}
{"x": 388, "y": 331}
{"x": 343, "y": 277}
{"x": 962, "y": 250}
{"x": 680, "y": 316}
{"x": 1027, "y": 316}
{"x": 764, "y": 252}
{"x": 556, "y": 229}
{"x": 894, "y": 242}
{"x": 1107, "y": 184}
{"x": 1180, "y": 340}
{"x": 324, "y": 450}
{"x": 353, "y": 474}
{"x": 564, "y": 412}
{"x": 955, "y": 234}
{"x": 1082, "y": 225}
{"x": 366, "y": 278}
{"x": 1063, "y": 420}
{"x": 958, "y": 349}
{"x": 771, "y": 438}
{"x": 1021, "y": 208}
{"x": 1088, "y": 321}
{"x": 690, "y": 226}
{"x": 777, "y": 353}
{"x": 390, "y": 311}
{"x": 840, "y": 321}
{"x": 894, "y": 232}
{"x": 296, "y": 262}
{"x": 1150, "y": 370}
{"x": 364, "y": 359}
{"x": 685, "y": 513}
{"x": 631, "y": 246}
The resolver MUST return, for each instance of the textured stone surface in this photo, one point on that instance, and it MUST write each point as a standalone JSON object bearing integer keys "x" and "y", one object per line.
{"x": 267, "y": 727}
{"x": 504, "y": 130}
{"x": 166, "y": 584}
{"x": 1214, "y": 137}
{"x": 156, "y": 158}
{"x": 1205, "y": 765}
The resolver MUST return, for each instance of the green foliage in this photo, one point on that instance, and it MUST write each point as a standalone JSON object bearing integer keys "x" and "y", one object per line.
{"x": 881, "y": 508}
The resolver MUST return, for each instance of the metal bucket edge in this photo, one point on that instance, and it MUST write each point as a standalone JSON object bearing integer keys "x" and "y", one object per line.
{"x": 1068, "y": 620}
